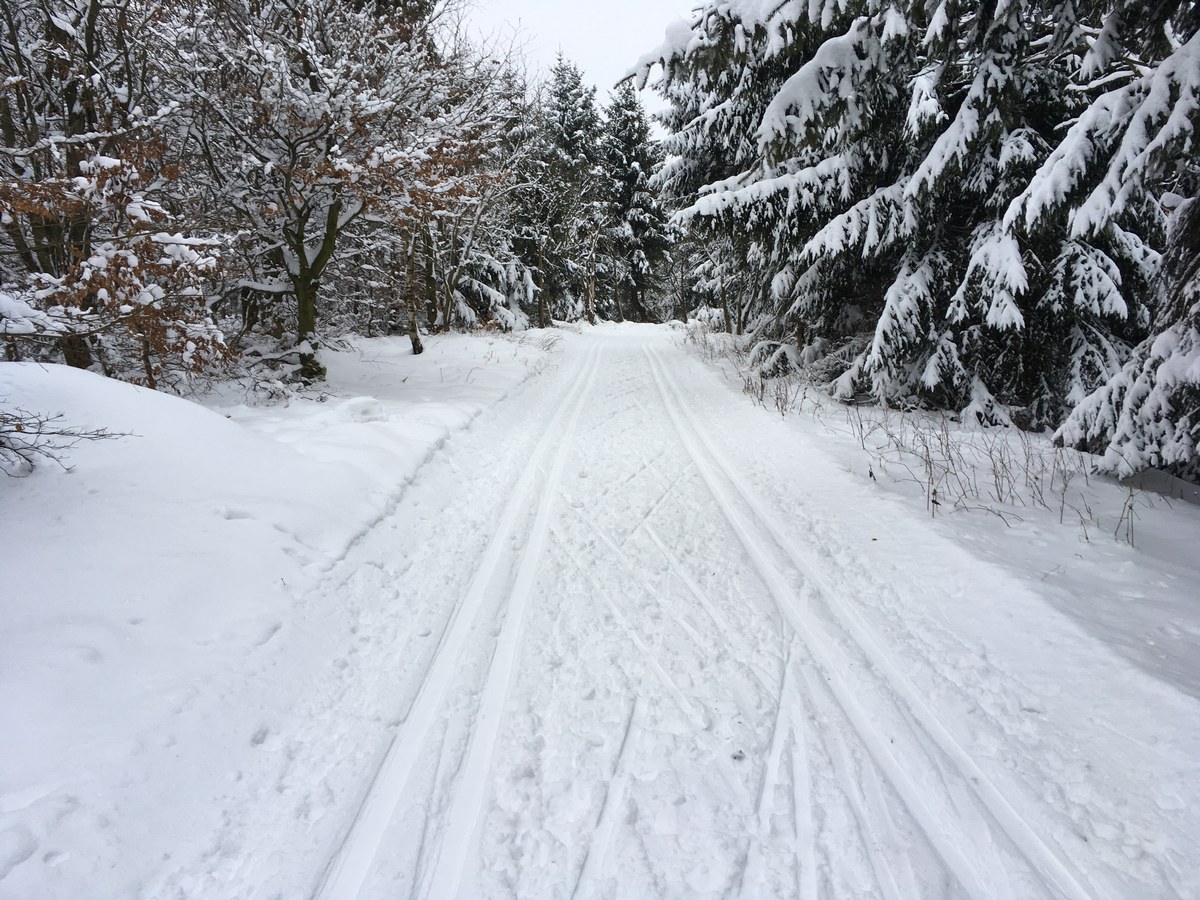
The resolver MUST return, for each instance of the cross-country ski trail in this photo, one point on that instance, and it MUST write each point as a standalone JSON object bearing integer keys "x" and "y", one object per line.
{"x": 659, "y": 644}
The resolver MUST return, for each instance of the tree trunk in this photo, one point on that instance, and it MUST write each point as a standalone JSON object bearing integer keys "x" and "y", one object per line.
{"x": 725, "y": 308}
{"x": 591, "y": 283}
{"x": 306, "y": 309}
{"x": 306, "y": 327}
{"x": 414, "y": 333}
{"x": 540, "y": 283}
{"x": 306, "y": 282}
{"x": 683, "y": 306}
{"x": 447, "y": 305}
{"x": 148, "y": 365}
{"x": 431, "y": 298}
{"x": 76, "y": 352}
{"x": 250, "y": 312}
{"x": 591, "y": 287}
{"x": 447, "y": 280}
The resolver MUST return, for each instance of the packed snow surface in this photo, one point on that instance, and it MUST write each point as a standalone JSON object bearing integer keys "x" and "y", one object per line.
{"x": 606, "y": 631}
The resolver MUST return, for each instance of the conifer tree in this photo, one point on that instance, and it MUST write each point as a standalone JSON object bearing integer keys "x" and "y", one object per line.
{"x": 561, "y": 199}
{"x": 1138, "y": 134}
{"x": 900, "y": 174}
{"x": 638, "y": 233}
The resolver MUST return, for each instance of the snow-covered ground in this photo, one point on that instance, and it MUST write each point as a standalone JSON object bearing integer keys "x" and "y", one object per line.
{"x": 624, "y": 634}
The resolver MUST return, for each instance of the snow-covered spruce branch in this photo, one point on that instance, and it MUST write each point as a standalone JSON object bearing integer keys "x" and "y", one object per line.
{"x": 1028, "y": 147}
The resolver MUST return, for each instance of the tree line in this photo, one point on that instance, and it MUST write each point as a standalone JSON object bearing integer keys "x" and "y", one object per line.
{"x": 984, "y": 207}
{"x": 188, "y": 185}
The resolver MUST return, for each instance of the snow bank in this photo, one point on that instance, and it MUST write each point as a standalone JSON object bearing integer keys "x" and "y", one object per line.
{"x": 1113, "y": 557}
{"x": 141, "y": 585}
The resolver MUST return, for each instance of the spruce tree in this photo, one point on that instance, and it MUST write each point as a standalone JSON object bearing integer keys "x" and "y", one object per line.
{"x": 638, "y": 233}
{"x": 1139, "y": 134}
{"x": 559, "y": 200}
{"x": 886, "y": 166}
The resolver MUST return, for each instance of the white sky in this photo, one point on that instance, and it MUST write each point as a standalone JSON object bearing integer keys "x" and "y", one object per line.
{"x": 603, "y": 37}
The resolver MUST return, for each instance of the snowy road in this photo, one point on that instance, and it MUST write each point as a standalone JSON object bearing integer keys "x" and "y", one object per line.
{"x": 623, "y": 640}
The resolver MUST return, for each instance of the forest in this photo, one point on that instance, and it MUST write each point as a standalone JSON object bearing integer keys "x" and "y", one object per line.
{"x": 430, "y": 468}
{"x": 982, "y": 208}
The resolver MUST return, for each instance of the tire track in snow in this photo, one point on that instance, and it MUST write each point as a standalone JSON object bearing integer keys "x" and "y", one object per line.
{"x": 350, "y": 865}
{"x": 939, "y": 818}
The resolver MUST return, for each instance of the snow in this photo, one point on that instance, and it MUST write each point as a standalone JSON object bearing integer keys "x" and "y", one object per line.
{"x": 1158, "y": 119}
{"x": 144, "y": 582}
{"x": 18, "y": 317}
{"x": 677, "y": 38}
{"x": 953, "y": 145}
{"x": 924, "y": 108}
{"x": 1136, "y": 405}
{"x": 806, "y": 92}
{"x": 1151, "y": 116}
{"x": 613, "y": 630}
{"x": 996, "y": 261}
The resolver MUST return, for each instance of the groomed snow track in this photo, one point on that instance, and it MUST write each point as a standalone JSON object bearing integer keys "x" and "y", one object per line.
{"x": 491, "y": 585}
{"x": 604, "y": 630}
{"x": 930, "y": 770}
{"x": 658, "y": 681}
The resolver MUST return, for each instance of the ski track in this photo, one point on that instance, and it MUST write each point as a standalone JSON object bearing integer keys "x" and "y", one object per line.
{"x": 348, "y": 870}
{"x": 644, "y": 685}
{"x": 459, "y": 833}
{"x": 761, "y": 530}
{"x": 614, "y": 796}
{"x": 803, "y": 830}
{"x": 698, "y": 719}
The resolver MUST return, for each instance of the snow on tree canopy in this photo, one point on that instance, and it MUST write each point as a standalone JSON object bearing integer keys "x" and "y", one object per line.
{"x": 971, "y": 193}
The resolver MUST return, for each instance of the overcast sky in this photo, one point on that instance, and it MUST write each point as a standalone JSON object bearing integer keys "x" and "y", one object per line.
{"x": 603, "y": 37}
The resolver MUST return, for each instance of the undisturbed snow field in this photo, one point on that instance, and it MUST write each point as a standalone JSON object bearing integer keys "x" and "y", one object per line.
{"x": 509, "y": 621}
